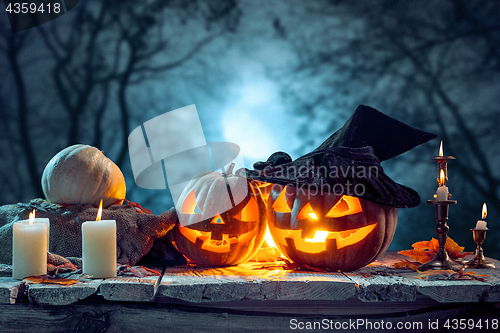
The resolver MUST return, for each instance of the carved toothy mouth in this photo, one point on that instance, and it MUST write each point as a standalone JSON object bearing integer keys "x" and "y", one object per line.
{"x": 318, "y": 243}
{"x": 214, "y": 245}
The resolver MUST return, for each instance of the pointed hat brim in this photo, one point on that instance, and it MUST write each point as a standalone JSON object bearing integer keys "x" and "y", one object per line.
{"x": 348, "y": 162}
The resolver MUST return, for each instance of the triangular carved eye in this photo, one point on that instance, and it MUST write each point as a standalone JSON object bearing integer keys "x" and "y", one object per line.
{"x": 250, "y": 212}
{"x": 307, "y": 213}
{"x": 217, "y": 220}
{"x": 189, "y": 206}
{"x": 280, "y": 205}
{"x": 347, "y": 205}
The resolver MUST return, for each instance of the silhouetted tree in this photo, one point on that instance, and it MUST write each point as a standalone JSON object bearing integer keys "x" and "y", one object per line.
{"x": 433, "y": 64}
{"x": 72, "y": 80}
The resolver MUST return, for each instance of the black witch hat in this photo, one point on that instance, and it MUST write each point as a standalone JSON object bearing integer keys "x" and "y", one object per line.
{"x": 348, "y": 162}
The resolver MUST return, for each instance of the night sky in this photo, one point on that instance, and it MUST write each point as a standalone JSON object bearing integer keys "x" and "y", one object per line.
{"x": 268, "y": 76}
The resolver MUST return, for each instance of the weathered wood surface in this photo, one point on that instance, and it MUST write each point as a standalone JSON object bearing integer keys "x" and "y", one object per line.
{"x": 261, "y": 282}
{"x": 250, "y": 281}
{"x": 117, "y": 317}
{"x": 54, "y": 294}
{"x": 377, "y": 282}
{"x": 9, "y": 290}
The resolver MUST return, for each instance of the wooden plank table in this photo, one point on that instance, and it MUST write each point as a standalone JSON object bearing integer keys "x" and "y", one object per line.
{"x": 246, "y": 297}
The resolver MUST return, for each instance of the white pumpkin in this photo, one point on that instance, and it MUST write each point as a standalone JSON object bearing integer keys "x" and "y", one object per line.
{"x": 81, "y": 174}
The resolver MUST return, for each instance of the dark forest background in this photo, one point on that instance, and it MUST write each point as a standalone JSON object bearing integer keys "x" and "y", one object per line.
{"x": 280, "y": 75}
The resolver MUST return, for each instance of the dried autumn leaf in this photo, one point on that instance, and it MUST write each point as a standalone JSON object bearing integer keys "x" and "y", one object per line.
{"x": 425, "y": 251}
{"x": 438, "y": 274}
{"x": 469, "y": 275}
{"x": 454, "y": 251}
{"x": 63, "y": 268}
{"x": 136, "y": 271}
{"x": 45, "y": 279}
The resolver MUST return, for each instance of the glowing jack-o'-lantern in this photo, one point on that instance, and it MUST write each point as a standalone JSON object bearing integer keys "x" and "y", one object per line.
{"x": 222, "y": 220}
{"x": 337, "y": 232}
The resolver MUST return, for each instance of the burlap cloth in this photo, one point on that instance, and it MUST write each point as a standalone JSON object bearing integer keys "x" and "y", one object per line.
{"x": 136, "y": 231}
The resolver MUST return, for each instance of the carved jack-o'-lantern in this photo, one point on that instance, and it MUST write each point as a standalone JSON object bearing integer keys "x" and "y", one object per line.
{"x": 338, "y": 232}
{"x": 222, "y": 219}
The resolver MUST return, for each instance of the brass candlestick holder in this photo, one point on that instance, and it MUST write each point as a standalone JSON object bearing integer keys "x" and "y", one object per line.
{"x": 479, "y": 261}
{"x": 441, "y": 260}
{"x": 442, "y": 162}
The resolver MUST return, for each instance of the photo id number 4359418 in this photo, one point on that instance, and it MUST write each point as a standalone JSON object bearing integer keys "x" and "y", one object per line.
{"x": 31, "y": 7}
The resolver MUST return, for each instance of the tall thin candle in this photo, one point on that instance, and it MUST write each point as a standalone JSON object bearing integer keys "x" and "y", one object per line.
{"x": 442, "y": 191}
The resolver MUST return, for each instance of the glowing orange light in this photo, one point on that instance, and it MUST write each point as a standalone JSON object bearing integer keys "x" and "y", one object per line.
{"x": 319, "y": 237}
{"x": 441, "y": 178}
{"x": 216, "y": 246}
{"x": 217, "y": 220}
{"x": 189, "y": 204}
{"x": 32, "y": 217}
{"x": 99, "y": 212}
{"x": 307, "y": 212}
{"x": 317, "y": 244}
{"x": 280, "y": 205}
{"x": 251, "y": 211}
{"x": 313, "y": 216}
{"x": 441, "y": 149}
{"x": 485, "y": 211}
{"x": 269, "y": 239}
{"x": 347, "y": 205}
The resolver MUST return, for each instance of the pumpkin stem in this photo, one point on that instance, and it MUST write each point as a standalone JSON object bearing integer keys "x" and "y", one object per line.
{"x": 229, "y": 170}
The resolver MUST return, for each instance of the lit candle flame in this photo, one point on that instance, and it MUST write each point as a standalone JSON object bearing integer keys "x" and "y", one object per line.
{"x": 32, "y": 217}
{"x": 441, "y": 149}
{"x": 441, "y": 178}
{"x": 99, "y": 212}
{"x": 313, "y": 216}
{"x": 485, "y": 211}
{"x": 269, "y": 239}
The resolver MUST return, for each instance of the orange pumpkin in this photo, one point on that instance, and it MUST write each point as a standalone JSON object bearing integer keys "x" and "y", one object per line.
{"x": 338, "y": 232}
{"x": 222, "y": 219}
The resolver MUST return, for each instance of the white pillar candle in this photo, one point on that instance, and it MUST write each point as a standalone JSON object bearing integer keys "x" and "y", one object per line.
{"x": 99, "y": 248}
{"x": 442, "y": 193}
{"x": 29, "y": 249}
{"x": 47, "y": 222}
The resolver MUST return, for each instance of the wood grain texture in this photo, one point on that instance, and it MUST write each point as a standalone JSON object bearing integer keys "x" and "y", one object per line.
{"x": 378, "y": 282}
{"x": 9, "y": 290}
{"x": 53, "y": 294}
{"x": 114, "y": 317}
{"x": 250, "y": 281}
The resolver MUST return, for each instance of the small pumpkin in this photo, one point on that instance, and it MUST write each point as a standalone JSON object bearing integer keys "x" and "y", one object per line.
{"x": 81, "y": 174}
{"x": 327, "y": 230}
{"x": 222, "y": 219}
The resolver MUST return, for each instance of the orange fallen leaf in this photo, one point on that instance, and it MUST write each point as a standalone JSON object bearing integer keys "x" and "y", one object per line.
{"x": 136, "y": 271}
{"x": 470, "y": 275}
{"x": 438, "y": 274}
{"x": 63, "y": 268}
{"x": 447, "y": 274}
{"x": 405, "y": 263}
{"x": 425, "y": 251}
